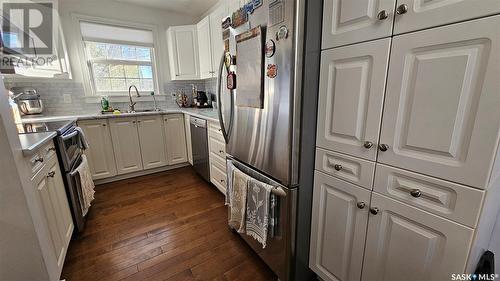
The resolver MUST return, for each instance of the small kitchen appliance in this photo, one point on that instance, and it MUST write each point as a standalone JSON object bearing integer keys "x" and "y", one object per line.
{"x": 28, "y": 100}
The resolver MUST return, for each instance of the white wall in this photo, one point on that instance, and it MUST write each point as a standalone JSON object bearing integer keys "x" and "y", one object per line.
{"x": 21, "y": 256}
{"x": 123, "y": 12}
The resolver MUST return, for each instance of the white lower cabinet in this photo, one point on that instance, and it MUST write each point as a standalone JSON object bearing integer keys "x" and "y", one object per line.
{"x": 100, "y": 153}
{"x": 405, "y": 243}
{"x": 53, "y": 201}
{"x": 175, "y": 139}
{"x": 126, "y": 145}
{"x": 152, "y": 141}
{"x": 217, "y": 156}
{"x": 338, "y": 229}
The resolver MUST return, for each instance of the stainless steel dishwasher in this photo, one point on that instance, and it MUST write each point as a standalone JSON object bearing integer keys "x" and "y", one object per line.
{"x": 199, "y": 145}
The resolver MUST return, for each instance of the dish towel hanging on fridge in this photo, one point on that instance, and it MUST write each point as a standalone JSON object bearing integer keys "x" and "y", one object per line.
{"x": 258, "y": 206}
{"x": 238, "y": 200}
{"x": 87, "y": 185}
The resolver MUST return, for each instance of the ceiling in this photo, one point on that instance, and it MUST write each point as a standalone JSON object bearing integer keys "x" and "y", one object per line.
{"x": 190, "y": 7}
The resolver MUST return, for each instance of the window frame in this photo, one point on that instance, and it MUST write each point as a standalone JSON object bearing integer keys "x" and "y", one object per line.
{"x": 90, "y": 62}
{"x": 91, "y": 95}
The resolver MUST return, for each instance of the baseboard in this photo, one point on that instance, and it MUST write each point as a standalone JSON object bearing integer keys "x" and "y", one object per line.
{"x": 140, "y": 173}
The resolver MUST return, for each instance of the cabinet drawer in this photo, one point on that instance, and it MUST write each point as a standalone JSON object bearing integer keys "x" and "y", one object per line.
{"x": 215, "y": 131}
{"x": 218, "y": 176}
{"x": 351, "y": 169}
{"x": 44, "y": 154}
{"x": 218, "y": 147}
{"x": 48, "y": 151}
{"x": 453, "y": 201}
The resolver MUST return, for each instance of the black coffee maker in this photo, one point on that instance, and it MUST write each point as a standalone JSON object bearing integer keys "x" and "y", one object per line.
{"x": 202, "y": 100}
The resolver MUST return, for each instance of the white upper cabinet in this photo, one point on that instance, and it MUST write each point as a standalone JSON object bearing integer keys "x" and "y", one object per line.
{"x": 352, "y": 85}
{"x": 126, "y": 145}
{"x": 152, "y": 141}
{"x": 183, "y": 52}
{"x": 100, "y": 153}
{"x": 217, "y": 49}
{"x": 405, "y": 243}
{"x": 351, "y": 21}
{"x": 338, "y": 229}
{"x": 176, "y": 139}
{"x": 441, "y": 113}
{"x": 205, "y": 48}
{"x": 418, "y": 14}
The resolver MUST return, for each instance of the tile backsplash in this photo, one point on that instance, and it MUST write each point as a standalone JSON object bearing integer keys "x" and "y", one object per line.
{"x": 68, "y": 97}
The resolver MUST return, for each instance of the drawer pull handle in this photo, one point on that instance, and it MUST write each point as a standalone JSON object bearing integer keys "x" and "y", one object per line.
{"x": 374, "y": 210}
{"x": 382, "y": 15}
{"x": 416, "y": 193}
{"x": 383, "y": 147}
{"x": 221, "y": 151}
{"x": 51, "y": 174}
{"x": 39, "y": 159}
{"x": 368, "y": 144}
{"x": 402, "y": 9}
{"x": 337, "y": 167}
{"x": 51, "y": 149}
{"x": 361, "y": 205}
{"x": 222, "y": 181}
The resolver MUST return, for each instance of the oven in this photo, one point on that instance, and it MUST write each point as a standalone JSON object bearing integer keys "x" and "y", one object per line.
{"x": 68, "y": 147}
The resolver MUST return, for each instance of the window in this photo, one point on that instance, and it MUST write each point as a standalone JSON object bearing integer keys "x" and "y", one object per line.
{"x": 114, "y": 67}
{"x": 118, "y": 57}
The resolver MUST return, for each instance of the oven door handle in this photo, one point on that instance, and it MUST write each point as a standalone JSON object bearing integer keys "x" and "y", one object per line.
{"x": 70, "y": 135}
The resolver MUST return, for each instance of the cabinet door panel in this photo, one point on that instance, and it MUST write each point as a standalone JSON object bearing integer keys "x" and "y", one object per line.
{"x": 126, "y": 145}
{"x": 176, "y": 139}
{"x": 216, "y": 18}
{"x": 338, "y": 228}
{"x": 205, "y": 48}
{"x": 183, "y": 52}
{"x": 58, "y": 196}
{"x": 352, "y": 85}
{"x": 42, "y": 186}
{"x": 405, "y": 242}
{"x": 441, "y": 107}
{"x": 352, "y": 21}
{"x": 430, "y": 13}
{"x": 152, "y": 141}
{"x": 100, "y": 153}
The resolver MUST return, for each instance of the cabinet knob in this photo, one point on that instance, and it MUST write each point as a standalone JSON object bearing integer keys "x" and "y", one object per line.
{"x": 337, "y": 167}
{"x": 39, "y": 159}
{"x": 415, "y": 193}
{"x": 51, "y": 174}
{"x": 383, "y": 147}
{"x": 222, "y": 181}
{"x": 374, "y": 210}
{"x": 402, "y": 9}
{"x": 361, "y": 205}
{"x": 382, "y": 15}
{"x": 221, "y": 151}
{"x": 368, "y": 144}
{"x": 104, "y": 125}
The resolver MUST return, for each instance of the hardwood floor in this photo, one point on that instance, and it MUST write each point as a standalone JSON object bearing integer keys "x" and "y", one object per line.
{"x": 166, "y": 226}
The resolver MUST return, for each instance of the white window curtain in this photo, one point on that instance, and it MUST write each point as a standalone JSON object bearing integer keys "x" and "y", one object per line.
{"x": 96, "y": 32}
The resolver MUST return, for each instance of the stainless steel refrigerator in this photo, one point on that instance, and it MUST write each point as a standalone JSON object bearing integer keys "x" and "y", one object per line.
{"x": 259, "y": 110}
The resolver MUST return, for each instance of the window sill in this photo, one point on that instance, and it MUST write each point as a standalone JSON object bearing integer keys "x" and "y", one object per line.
{"x": 124, "y": 98}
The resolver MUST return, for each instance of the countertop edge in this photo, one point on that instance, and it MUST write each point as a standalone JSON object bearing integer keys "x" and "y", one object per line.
{"x": 29, "y": 147}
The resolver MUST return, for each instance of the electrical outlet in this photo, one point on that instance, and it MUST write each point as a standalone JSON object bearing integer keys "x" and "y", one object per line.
{"x": 67, "y": 98}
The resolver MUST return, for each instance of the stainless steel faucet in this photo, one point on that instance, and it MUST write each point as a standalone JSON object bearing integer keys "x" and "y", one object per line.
{"x": 131, "y": 105}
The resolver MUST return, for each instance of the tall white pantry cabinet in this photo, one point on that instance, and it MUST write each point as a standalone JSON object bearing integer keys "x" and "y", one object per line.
{"x": 407, "y": 163}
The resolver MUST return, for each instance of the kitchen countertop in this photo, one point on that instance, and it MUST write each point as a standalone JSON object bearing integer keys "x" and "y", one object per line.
{"x": 30, "y": 143}
{"x": 207, "y": 113}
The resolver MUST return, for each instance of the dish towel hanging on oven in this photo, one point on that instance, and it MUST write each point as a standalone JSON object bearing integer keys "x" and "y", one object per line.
{"x": 82, "y": 139}
{"x": 238, "y": 200}
{"x": 258, "y": 210}
{"x": 87, "y": 185}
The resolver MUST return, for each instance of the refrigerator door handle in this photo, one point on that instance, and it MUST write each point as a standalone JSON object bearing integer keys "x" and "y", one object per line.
{"x": 225, "y": 133}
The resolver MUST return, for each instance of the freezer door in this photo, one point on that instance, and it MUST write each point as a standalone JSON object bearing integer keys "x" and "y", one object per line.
{"x": 279, "y": 252}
